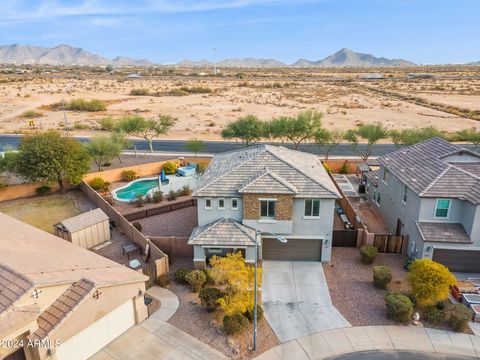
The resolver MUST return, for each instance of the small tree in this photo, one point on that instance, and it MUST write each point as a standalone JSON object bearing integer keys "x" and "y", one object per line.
{"x": 470, "y": 135}
{"x": 147, "y": 129}
{"x": 194, "y": 145}
{"x": 372, "y": 133}
{"x": 303, "y": 127}
{"x": 328, "y": 140}
{"x": 430, "y": 281}
{"x": 247, "y": 130}
{"x": 49, "y": 156}
{"x": 278, "y": 128}
{"x": 407, "y": 137}
{"x": 103, "y": 149}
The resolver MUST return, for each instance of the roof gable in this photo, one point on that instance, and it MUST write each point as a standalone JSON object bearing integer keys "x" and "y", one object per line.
{"x": 222, "y": 232}
{"x": 267, "y": 182}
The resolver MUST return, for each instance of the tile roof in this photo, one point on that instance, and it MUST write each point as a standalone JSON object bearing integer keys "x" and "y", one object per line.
{"x": 12, "y": 287}
{"x": 84, "y": 220}
{"x": 227, "y": 232}
{"x": 267, "y": 182}
{"x": 230, "y": 171}
{"x": 17, "y": 318}
{"x": 61, "y": 308}
{"x": 372, "y": 176}
{"x": 425, "y": 169}
{"x": 443, "y": 232}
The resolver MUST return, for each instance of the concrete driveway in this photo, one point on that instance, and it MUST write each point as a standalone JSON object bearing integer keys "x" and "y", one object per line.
{"x": 296, "y": 299}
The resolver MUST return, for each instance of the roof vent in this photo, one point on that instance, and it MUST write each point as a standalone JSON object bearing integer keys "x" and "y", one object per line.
{"x": 446, "y": 233}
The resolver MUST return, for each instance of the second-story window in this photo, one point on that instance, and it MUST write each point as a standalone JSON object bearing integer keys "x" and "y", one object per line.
{"x": 442, "y": 209}
{"x": 208, "y": 203}
{"x": 312, "y": 207}
{"x": 267, "y": 209}
{"x": 234, "y": 204}
{"x": 385, "y": 175}
{"x": 221, "y": 204}
{"x": 405, "y": 194}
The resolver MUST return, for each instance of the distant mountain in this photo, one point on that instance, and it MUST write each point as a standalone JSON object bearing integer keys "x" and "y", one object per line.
{"x": 349, "y": 58}
{"x": 60, "y": 55}
{"x": 192, "y": 63}
{"x": 477, "y": 63}
{"x": 250, "y": 62}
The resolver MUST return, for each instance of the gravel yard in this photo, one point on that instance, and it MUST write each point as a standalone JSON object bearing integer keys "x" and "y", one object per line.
{"x": 192, "y": 318}
{"x": 178, "y": 223}
{"x": 351, "y": 285}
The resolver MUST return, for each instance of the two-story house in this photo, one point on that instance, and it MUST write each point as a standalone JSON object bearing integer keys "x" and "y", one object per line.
{"x": 266, "y": 188}
{"x": 431, "y": 192}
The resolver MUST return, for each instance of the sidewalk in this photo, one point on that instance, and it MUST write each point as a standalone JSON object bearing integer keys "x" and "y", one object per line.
{"x": 330, "y": 343}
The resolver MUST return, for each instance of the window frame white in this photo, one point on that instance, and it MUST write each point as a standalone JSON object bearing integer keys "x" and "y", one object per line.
{"x": 274, "y": 201}
{"x": 218, "y": 204}
{"x": 448, "y": 209}
{"x": 231, "y": 203}
{"x": 311, "y": 216}
{"x": 210, "y": 201}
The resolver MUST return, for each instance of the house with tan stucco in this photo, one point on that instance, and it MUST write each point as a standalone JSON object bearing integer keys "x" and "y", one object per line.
{"x": 58, "y": 300}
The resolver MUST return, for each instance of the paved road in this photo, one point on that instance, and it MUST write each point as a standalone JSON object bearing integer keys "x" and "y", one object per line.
{"x": 296, "y": 299}
{"x": 398, "y": 355}
{"x": 211, "y": 147}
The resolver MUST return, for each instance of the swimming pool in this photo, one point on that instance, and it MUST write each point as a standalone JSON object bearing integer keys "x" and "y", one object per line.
{"x": 135, "y": 188}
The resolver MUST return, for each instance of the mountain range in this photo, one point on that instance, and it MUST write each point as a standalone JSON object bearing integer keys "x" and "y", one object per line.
{"x": 69, "y": 55}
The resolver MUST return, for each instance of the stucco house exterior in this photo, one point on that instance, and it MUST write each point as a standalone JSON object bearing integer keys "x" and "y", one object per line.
{"x": 431, "y": 192}
{"x": 61, "y": 301}
{"x": 270, "y": 189}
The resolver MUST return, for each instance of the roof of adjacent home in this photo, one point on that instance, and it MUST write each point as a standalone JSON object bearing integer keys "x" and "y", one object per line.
{"x": 259, "y": 167}
{"x": 12, "y": 287}
{"x": 436, "y": 168}
{"x": 223, "y": 232}
{"x": 61, "y": 308}
{"x": 84, "y": 220}
{"x": 45, "y": 259}
{"x": 443, "y": 232}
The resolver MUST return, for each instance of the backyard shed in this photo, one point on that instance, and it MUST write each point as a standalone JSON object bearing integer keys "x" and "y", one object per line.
{"x": 86, "y": 230}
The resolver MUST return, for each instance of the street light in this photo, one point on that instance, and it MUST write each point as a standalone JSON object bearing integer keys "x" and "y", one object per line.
{"x": 258, "y": 234}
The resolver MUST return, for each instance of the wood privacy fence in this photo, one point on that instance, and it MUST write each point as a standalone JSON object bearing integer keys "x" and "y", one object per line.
{"x": 389, "y": 243}
{"x": 344, "y": 238}
{"x": 160, "y": 209}
{"x": 158, "y": 259}
{"x": 173, "y": 245}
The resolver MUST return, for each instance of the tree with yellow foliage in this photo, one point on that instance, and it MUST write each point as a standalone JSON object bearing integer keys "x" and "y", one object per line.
{"x": 430, "y": 281}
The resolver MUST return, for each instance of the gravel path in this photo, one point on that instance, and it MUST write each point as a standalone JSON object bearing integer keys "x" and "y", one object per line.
{"x": 192, "y": 318}
{"x": 351, "y": 285}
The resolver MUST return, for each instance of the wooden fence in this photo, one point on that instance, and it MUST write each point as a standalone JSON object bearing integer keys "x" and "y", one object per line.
{"x": 389, "y": 243}
{"x": 160, "y": 209}
{"x": 173, "y": 245}
{"x": 344, "y": 238}
{"x": 159, "y": 259}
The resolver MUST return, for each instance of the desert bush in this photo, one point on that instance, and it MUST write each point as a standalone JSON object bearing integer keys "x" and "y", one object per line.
{"x": 137, "y": 226}
{"x": 140, "y": 92}
{"x": 30, "y": 114}
{"x": 157, "y": 196}
{"x": 201, "y": 168}
{"x": 399, "y": 307}
{"x": 382, "y": 276}
{"x": 129, "y": 175}
{"x": 433, "y": 314}
{"x": 249, "y": 313}
{"x": 430, "y": 281}
{"x": 181, "y": 274}
{"x": 185, "y": 191}
{"x": 99, "y": 184}
{"x": 196, "y": 89}
{"x": 196, "y": 278}
{"x": 139, "y": 200}
{"x": 163, "y": 280}
{"x": 368, "y": 253}
{"x": 170, "y": 168}
{"x": 209, "y": 297}
{"x": 43, "y": 190}
{"x": 459, "y": 317}
{"x": 82, "y": 105}
{"x": 80, "y": 126}
{"x": 344, "y": 169}
{"x": 172, "y": 195}
{"x": 235, "y": 323}
{"x": 106, "y": 123}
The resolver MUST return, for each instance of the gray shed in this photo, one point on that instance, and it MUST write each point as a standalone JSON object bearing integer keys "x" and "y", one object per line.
{"x": 86, "y": 230}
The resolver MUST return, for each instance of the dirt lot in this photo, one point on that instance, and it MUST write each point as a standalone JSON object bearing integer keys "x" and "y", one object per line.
{"x": 345, "y": 103}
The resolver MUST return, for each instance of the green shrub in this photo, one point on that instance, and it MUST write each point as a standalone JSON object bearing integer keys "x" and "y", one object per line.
{"x": 235, "y": 323}
{"x": 209, "y": 297}
{"x": 85, "y": 105}
{"x": 129, "y": 175}
{"x": 181, "y": 274}
{"x": 249, "y": 313}
{"x": 43, "y": 190}
{"x": 163, "y": 280}
{"x": 157, "y": 196}
{"x": 210, "y": 280}
{"x": 344, "y": 169}
{"x": 201, "y": 168}
{"x": 382, "y": 276}
{"x": 172, "y": 195}
{"x": 106, "y": 123}
{"x": 138, "y": 200}
{"x": 140, "y": 92}
{"x": 368, "y": 253}
{"x": 399, "y": 307}
{"x": 195, "y": 90}
{"x": 170, "y": 168}
{"x": 98, "y": 184}
{"x": 30, "y": 114}
{"x": 185, "y": 191}
{"x": 80, "y": 126}
{"x": 433, "y": 314}
{"x": 459, "y": 317}
{"x": 196, "y": 278}
{"x": 137, "y": 226}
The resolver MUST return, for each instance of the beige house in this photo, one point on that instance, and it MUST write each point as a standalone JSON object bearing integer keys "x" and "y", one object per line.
{"x": 58, "y": 300}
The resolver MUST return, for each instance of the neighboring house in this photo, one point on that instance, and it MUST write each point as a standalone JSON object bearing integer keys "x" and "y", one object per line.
{"x": 266, "y": 188}
{"x": 65, "y": 300}
{"x": 431, "y": 192}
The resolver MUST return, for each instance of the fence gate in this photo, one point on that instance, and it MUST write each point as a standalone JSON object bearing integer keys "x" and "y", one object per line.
{"x": 344, "y": 238}
{"x": 389, "y": 243}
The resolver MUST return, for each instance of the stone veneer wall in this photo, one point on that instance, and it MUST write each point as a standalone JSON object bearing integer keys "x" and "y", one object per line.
{"x": 283, "y": 208}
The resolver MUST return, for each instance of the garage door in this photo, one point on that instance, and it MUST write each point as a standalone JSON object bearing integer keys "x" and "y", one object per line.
{"x": 294, "y": 249}
{"x": 96, "y": 336}
{"x": 458, "y": 260}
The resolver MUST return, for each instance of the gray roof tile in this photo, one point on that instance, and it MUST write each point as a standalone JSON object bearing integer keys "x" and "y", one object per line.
{"x": 226, "y": 232}
{"x": 443, "y": 232}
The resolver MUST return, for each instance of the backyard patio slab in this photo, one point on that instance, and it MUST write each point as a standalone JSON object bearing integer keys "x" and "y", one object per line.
{"x": 296, "y": 299}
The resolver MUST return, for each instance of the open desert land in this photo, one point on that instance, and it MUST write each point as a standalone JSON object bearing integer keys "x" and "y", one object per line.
{"x": 345, "y": 103}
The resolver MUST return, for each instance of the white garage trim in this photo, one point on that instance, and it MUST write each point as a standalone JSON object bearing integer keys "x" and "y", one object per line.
{"x": 93, "y": 338}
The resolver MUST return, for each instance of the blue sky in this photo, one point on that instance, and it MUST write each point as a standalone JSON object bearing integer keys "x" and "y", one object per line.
{"x": 423, "y": 31}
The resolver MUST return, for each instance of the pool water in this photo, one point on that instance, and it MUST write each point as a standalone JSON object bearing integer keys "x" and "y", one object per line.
{"x": 140, "y": 187}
